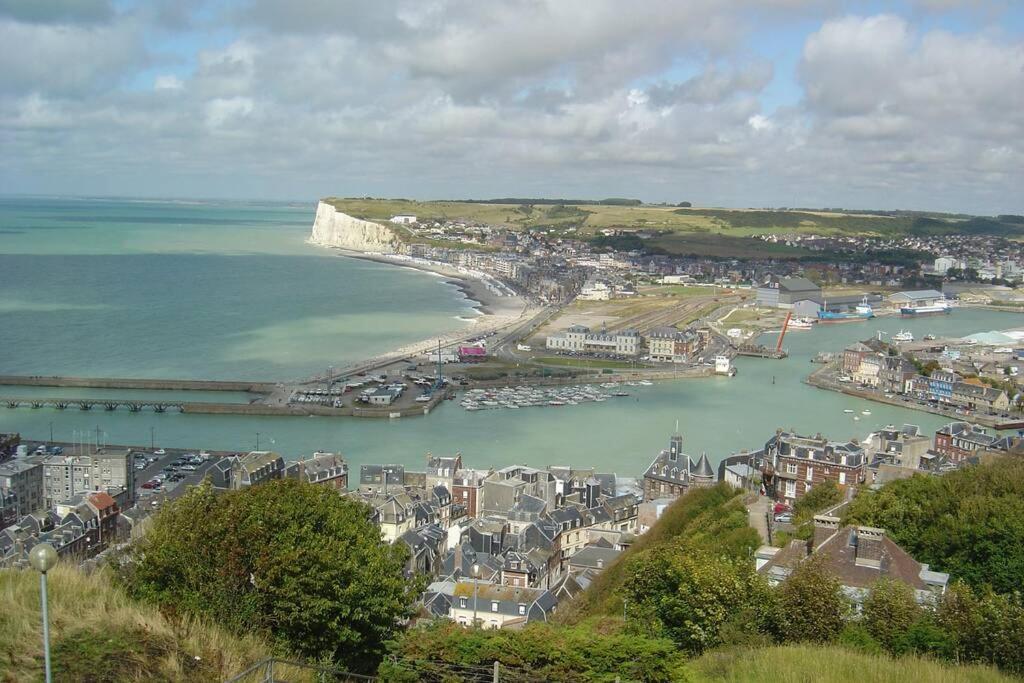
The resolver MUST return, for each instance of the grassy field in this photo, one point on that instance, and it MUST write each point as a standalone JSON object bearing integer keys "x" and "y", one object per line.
{"x": 679, "y": 290}
{"x": 98, "y": 634}
{"x": 590, "y": 218}
{"x": 800, "y": 664}
{"x": 584, "y": 363}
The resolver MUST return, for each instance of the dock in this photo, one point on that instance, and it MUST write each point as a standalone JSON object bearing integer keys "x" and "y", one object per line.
{"x": 143, "y": 384}
{"x": 760, "y": 351}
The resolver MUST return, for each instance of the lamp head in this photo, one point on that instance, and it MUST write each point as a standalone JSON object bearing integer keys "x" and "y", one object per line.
{"x": 42, "y": 557}
{"x": 476, "y": 571}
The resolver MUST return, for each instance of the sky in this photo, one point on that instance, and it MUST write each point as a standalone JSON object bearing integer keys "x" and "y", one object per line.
{"x": 911, "y": 104}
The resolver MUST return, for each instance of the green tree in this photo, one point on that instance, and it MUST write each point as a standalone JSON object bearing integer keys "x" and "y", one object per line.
{"x": 691, "y": 596}
{"x": 297, "y": 563}
{"x": 984, "y": 626}
{"x": 813, "y": 603}
{"x": 889, "y": 612}
{"x": 591, "y": 651}
{"x": 818, "y": 499}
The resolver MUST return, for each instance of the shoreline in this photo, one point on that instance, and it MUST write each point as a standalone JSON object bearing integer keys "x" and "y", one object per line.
{"x": 477, "y": 288}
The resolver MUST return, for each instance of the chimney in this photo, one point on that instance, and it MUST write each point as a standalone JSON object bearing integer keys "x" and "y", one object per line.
{"x": 825, "y": 527}
{"x": 869, "y": 546}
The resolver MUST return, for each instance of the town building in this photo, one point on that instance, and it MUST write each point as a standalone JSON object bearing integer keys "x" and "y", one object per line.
{"x": 794, "y": 464}
{"x": 322, "y": 469}
{"x": 21, "y": 489}
{"x": 672, "y": 472}
{"x": 786, "y": 292}
{"x": 255, "y": 467}
{"x": 669, "y": 345}
{"x": 579, "y": 339}
{"x": 467, "y": 489}
{"x": 377, "y": 478}
{"x": 490, "y": 605}
{"x": 858, "y": 556}
{"x": 104, "y": 469}
{"x": 959, "y": 441}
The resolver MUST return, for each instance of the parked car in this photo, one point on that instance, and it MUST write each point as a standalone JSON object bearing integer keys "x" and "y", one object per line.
{"x": 159, "y": 451}
{"x": 151, "y": 484}
{"x": 784, "y": 518}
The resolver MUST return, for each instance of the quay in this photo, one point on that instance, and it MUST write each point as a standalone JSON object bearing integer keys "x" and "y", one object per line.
{"x": 758, "y": 351}
{"x": 819, "y": 379}
{"x": 145, "y": 384}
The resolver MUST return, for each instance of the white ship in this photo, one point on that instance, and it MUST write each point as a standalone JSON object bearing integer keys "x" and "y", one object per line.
{"x": 801, "y": 324}
{"x": 903, "y": 336}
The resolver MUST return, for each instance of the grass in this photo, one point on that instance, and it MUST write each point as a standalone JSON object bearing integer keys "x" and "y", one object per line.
{"x": 680, "y": 290}
{"x": 595, "y": 363}
{"x": 805, "y": 663}
{"x": 699, "y": 509}
{"x": 98, "y": 634}
{"x": 703, "y": 231}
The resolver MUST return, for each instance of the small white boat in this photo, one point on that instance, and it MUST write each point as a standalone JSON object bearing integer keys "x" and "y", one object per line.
{"x": 903, "y": 336}
{"x": 865, "y": 412}
{"x": 848, "y": 410}
{"x": 856, "y": 418}
{"x": 801, "y": 324}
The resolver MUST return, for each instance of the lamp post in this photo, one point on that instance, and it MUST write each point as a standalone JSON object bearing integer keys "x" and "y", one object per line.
{"x": 476, "y": 589}
{"x": 43, "y": 558}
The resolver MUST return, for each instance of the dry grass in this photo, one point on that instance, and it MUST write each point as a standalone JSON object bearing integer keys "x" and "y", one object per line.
{"x": 803, "y": 664}
{"x": 99, "y": 634}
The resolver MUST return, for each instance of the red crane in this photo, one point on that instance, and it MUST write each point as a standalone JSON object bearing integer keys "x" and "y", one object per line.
{"x": 782, "y": 334}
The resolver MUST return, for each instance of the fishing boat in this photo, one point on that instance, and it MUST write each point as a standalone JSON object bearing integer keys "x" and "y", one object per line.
{"x": 937, "y": 307}
{"x": 861, "y": 312}
{"x": 801, "y": 323}
{"x": 903, "y": 336}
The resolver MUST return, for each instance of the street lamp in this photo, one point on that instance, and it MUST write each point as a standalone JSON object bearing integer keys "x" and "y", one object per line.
{"x": 476, "y": 589}
{"x": 43, "y": 558}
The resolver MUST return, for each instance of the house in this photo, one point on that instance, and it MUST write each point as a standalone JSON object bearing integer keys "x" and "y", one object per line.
{"x": 467, "y": 489}
{"x": 858, "y": 556}
{"x": 595, "y": 290}
{"x": 376, "y": 478}
{"x": 869, "y": 372}
{"x": 794, "y": 464}
{"x": 786, "y": 292}
{"x": 669, "y": 345}
{"x": 980, "y": 397}
{"x": 383, "y": 396}
{"x": 959, "y": 441}
{"x": 495, "y": 606}
{"x": 255, "y": 467}
{"x": 21, "y": 489}
{"x": 579, "y": 339}
{"x": 323, "y": 469}
{"x": 854, "y": 355}
{"x": 103, "y": 469}
{"x": 740, "y": 475}
{"x": 403, "y": 219}
{"x": 672, "y": 473}
{"x": 426, "y": 549}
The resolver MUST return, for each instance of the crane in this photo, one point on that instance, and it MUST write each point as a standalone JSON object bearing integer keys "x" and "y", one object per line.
{"x": 782, "y": 333}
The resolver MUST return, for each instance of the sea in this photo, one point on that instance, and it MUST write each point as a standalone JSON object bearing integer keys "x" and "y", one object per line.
{"x": 230, "y": 290}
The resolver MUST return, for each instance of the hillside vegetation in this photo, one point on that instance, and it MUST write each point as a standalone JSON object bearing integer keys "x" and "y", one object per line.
{"x": 713, "y": 517}
{"x": 802, "y": 663}
{"x": 99, "y": 634}
{"x": 587, "y": 217}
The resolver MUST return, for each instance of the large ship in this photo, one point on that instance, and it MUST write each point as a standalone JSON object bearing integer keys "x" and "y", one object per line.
{"x": 935, "y": 307}
{"x": 861, "y": 311}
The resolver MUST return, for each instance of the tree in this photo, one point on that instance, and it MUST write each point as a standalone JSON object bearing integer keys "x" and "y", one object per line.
{"x": 983, "y": 626}
{"x": 691, "y": 596}
{"x": 295, "y": 562}
{"x": 813, "y": 603}
{"x": 889, "y": 612}
{"x": 818, "y": 499}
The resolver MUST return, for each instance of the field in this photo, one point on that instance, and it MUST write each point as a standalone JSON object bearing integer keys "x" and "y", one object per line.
{"x": 799, "y": 663}
{"x": 584, "y": 363}
{"x": 98, "y": 634}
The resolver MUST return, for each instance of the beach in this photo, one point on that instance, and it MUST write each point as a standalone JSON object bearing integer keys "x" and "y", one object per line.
{"x": 490, "y": 297}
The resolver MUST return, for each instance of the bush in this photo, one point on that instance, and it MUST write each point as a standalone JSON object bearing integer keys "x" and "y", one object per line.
{"x": 813, "y": 603}
{"x": 593, "y": 651}
{"x": 889, "y": 612}
{"x": 294, "y": 562}
{"x": 855, "y": 636}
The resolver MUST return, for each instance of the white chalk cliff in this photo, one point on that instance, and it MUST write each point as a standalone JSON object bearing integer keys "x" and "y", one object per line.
{"x": 332, "y": 228}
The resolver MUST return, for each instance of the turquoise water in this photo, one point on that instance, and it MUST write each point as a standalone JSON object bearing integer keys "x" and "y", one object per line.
{"x": 717, "y": 415}
{"x": 196, "y": 291}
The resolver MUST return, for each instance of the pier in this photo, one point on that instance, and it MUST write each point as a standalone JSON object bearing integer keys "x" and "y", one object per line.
{"x": 110, "y": 404}
{"x": 759, "y": 351}
{"x": 144, "y": 384}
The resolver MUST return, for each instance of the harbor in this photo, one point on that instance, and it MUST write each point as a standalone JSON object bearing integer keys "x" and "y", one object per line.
{"x": 535, "y": 397}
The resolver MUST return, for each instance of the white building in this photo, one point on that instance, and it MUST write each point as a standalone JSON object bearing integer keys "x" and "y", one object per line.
{"x": 944, "y": 263}
{"x": 580, "y": 339}
{"x": 403, "y": 220}
{"x": 595, "y": 290}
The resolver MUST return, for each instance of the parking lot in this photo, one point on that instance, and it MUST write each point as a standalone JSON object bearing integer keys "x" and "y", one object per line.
{"x": 167, "y": 475}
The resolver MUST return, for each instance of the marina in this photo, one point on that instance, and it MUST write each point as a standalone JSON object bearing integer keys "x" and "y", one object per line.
{"x": 544, "y": 397}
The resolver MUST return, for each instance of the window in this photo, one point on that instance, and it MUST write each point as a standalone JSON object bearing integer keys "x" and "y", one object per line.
{"x": 790, "y": 489}
{"x": 463, "y": 602}
{"x": 522, "y": 609}
{"x": 810, "y": 474}
{"x": 494, "y": 605}
{"x": 842, "y": 477}
{"x": 791, "y": 467}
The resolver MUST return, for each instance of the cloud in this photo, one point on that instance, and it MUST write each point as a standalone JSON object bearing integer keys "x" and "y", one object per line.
{"x": 485, "y": 98}
{"x": 57, "y": 11}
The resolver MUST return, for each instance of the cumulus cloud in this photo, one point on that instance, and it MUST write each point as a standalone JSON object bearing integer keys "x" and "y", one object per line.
{"x": 472, "y": 98}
